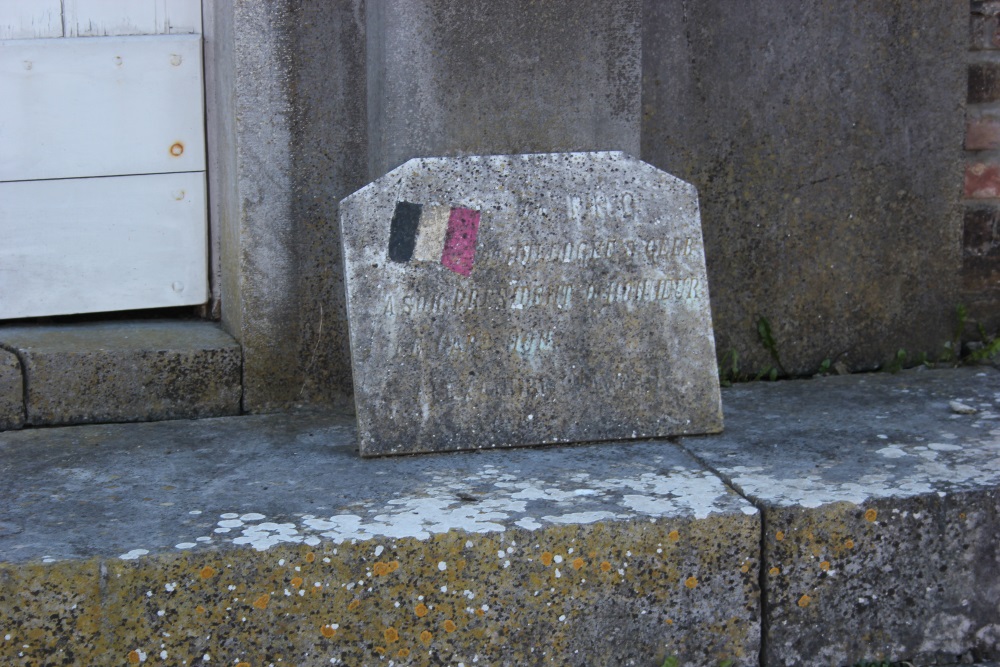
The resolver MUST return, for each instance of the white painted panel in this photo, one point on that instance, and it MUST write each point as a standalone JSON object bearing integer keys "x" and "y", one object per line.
{"x": 30, "y": 19}
{"x": 100, "y": 106}
{"x": 103, "y": 18}
{"x": 102, "y": 244}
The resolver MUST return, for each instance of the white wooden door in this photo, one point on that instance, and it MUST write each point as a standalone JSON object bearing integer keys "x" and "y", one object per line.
{"x": 102, "y": 156}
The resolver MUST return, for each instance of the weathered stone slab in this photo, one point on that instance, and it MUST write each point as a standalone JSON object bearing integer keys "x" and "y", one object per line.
{"x": 11, "y": 391}
{"x": 126, "y": 371}
{"x": 881, "y": 502}
{"x": 517, "y": 300}
{"x": 267, "y": 540}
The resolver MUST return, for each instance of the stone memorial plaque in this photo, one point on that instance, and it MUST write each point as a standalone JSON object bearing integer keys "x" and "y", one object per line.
{"x": 526, "y": 299}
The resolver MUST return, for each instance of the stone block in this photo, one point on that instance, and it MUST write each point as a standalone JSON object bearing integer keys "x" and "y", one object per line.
{"x": 502, "y": 78}
{"x": 517, "y": 300}
{"x": 11, "y": 391}
{"x": 265, "y": 539}
{"x": 126, "y": 371}
{"x": 881, "y": 503}
{"x": 795, "y": 121}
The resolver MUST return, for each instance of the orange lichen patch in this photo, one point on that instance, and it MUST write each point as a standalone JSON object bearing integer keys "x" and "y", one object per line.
{"x": 393, "y": 566}
{"x": 133, "y": 657}
{"x": 849, "y": 543}
{"x": 480, "y": 612}
{"x": 774, "y": 571}
{"x": 825, "y": 565}
{"x": 593, "y": 554}
{"x": 207, "y": 572}
{"x": 449, "y": 626}
{"x": 669, "y": 621}
{"x": 380, "y": 650}
{"x": 242, "y": 664}
{"x": 547, "y": 558}
{"x": 744, "y": 569}
{"x": 310, "y": 557}
{"x": 261, "y": 602}
{"x": 691, "y": 582}
{"x": 426, "y": 637}
{"x": 605, "y": 566}
{"x": 403, "y": 653}
{"x": 328, "y": 631}
{"x": 871, "y": 514}
{"x": 578, "y": 563}
{"x": 296, "y": 581}
{"x": 673, "y": 535}
{"x": 421, "y": 610}
{"x": 961, "y": 515}
{"x": 200, "y": 610}
{"x": 804, "y": 601}
{"x": 780, "y": 535}
{"x": 380, "y": 569}
{"x": 391, "y": 635}
{"x": 354, "y": 604}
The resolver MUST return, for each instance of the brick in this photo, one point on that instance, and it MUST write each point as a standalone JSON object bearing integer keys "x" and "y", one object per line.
{"x": 982, "y": 180}
{"x": 982, "y": 133}
{"x": 981, "y": 232}
{"x": 983, "y": 83}
{"x": 985, "y": 7}
{"x": 984, "y": 32}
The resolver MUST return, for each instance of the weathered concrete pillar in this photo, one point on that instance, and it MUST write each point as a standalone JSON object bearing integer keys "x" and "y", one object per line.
{"x": 286, "y": 141}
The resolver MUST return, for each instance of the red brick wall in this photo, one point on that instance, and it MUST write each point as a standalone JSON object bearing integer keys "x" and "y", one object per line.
{"x": 981, "y": 239}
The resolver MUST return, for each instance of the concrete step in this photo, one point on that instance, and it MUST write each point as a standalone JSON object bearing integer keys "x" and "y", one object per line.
{"x": 117, "y": 371}
{"x": 265, "y": 540}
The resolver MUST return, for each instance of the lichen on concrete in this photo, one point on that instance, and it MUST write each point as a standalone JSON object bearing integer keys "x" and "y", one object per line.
{"x": 880, "y": 508}
{"x": 265, "y": 539}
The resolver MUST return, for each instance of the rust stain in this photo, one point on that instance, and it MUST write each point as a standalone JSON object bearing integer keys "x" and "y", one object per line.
{"x": 177, "y": 149}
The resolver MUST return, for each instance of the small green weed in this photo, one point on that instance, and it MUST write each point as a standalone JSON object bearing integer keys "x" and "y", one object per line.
{"x": 671, "y": 661}
{"x": 767, "y": 340}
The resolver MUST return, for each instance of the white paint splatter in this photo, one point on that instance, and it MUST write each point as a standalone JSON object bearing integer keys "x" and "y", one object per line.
{"x": 133, "y": 554}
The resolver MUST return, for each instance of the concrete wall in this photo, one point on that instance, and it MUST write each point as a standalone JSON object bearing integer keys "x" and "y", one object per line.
{"x": 824, "y": 139}
{"x": 825, "y": 142}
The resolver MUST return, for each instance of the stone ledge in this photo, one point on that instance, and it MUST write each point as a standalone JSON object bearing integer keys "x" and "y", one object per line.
{"x": 125, "y": 371}
{"x": 881, "y": 512}
{"x": 266, "y": 537}
{"x": 209, "y": 537}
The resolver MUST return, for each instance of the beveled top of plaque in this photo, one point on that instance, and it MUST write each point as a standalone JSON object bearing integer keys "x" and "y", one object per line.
{"x": 499, "y": 301}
